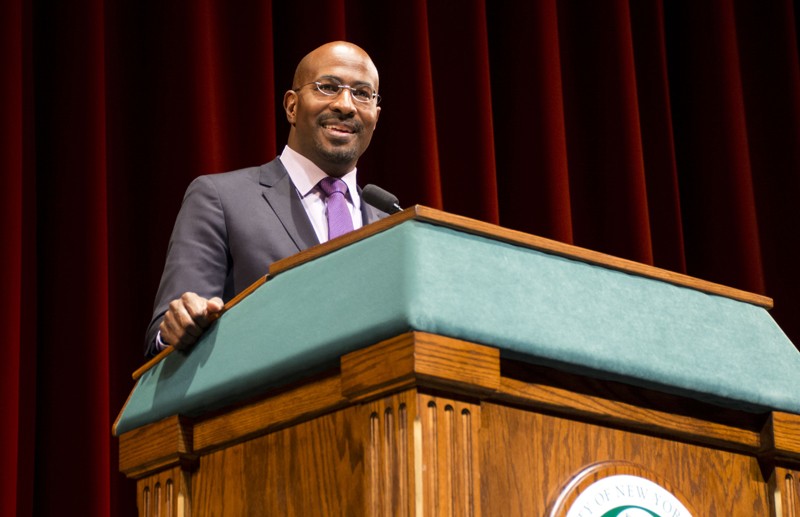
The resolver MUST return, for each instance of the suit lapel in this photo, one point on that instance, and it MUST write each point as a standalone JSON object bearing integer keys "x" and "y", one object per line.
{"x": 282, "y": 197}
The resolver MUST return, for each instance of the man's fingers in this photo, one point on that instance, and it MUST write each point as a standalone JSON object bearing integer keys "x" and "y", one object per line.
{"x": 215, "y": 304}
{"x": 209, "y": 308}
{"x": 186, "y": 318}
{"x": 186, "y": 311}
{"x": 196, "y": 306}
{"x": 179, "y": 327}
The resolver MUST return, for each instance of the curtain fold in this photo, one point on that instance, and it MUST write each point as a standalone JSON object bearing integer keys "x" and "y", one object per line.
{"x": 459, "y": 51}
{"x": 767, "y": 40}
{"x": 604, "y": 145}
{"x": 11, "y": 251}
{"x": 658, "y": 143}
{"x": 73, "y": 402}
{"x": 662, "y": 132}
{"x": 18, "y": 324}
{"x": 712, "y": 145}
{"x": 528, "y": 115}
{"x": 404, "y": 156}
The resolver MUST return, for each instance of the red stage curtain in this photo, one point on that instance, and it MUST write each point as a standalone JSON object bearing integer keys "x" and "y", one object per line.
{"x": 663, "y": 132}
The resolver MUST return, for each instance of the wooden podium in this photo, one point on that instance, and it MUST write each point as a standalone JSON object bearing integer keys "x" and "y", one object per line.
{"x": 466, "y": 403}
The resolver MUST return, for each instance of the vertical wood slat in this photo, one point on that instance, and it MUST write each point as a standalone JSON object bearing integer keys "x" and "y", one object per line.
{"x": 388, "y": 457}
{"x": 422, "y": 456}
{"x": 468, "y": 431}
{"x": 431, "y": 459}
{"x": 792, "y": 495}
{"x": 373, "y": 465}
{"x": 165, "y": 494}
{"x": 403, "y": 499}
{"x": 786, "y": 488}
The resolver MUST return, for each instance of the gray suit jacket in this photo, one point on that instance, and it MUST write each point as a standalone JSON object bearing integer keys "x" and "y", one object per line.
{"x": 230, "y": 228}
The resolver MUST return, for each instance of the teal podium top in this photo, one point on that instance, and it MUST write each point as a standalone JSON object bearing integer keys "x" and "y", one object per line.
{"x": 536, "y": 300}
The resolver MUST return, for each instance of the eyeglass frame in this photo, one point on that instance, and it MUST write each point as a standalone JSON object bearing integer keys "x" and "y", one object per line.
{"x": 375, "y": 96}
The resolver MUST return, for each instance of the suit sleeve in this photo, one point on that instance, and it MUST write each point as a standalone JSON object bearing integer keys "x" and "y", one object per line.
{"x": 198, "y": 256}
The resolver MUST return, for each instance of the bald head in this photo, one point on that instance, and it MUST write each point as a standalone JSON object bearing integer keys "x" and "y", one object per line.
{"x": 332, "y": 129}
{"x": 341, "y": 51}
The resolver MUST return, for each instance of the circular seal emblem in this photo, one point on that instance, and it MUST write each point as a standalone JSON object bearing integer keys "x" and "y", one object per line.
{"x": 619, "y": 489}
{"x": 626, "y": 496}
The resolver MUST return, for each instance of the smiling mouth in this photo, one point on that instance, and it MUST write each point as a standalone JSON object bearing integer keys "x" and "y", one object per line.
{"x": 345, "y": 130}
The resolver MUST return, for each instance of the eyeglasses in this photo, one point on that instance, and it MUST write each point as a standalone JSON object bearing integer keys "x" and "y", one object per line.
{"x": 361, "y": 94}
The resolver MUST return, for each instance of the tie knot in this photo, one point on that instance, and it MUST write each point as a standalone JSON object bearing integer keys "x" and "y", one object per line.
{"x": 331, "y": 186}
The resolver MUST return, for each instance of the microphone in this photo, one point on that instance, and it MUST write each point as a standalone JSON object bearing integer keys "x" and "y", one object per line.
{"x": 380, "y": 199}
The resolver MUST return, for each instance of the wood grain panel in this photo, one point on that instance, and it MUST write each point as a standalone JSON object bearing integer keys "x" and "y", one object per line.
{"x": 314, "y": 467}
{"x": 156, "y": 446}
{"x": 419, "y": 358}
{"x": 528, "y": 458}
{"x": 625, "y": 406}
{"x": 782, "y": 436}
{"x": 457, "y": 365}
{"x": 273, "y": 411}
{"x": 386, "y": 366}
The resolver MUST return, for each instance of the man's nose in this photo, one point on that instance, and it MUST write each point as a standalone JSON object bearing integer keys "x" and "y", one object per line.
{"x": 344, "y": 103}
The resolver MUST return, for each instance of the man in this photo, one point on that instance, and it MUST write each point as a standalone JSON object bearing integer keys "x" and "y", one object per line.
{"x": 232, "y": 226}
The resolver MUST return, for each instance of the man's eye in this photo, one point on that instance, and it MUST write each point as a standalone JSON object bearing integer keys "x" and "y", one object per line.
{"x": 362, "y": 94}
{"x": 328, "y": 89}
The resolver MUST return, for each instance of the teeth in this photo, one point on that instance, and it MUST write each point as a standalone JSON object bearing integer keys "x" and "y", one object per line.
{"x": 336, "y": 128}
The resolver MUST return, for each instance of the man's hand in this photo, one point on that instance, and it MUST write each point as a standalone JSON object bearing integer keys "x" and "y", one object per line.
{"x": 187, "y": 318}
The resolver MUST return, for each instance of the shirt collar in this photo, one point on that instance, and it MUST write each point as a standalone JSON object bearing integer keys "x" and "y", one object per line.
{"x": 305, "y": 175}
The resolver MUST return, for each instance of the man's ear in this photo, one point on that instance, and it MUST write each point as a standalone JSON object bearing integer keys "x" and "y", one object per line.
{"x": 290, "y": 106}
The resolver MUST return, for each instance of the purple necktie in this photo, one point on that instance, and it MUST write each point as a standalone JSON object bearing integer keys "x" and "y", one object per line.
{"x": 339, "y": 219}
